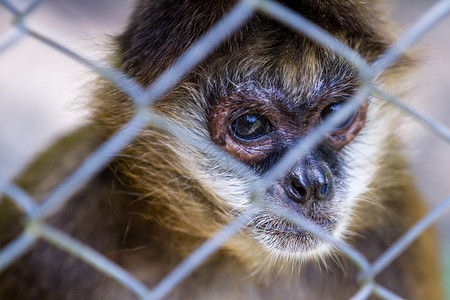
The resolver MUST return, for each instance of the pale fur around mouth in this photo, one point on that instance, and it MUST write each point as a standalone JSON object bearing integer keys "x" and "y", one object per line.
{"x": 277, "y": 233}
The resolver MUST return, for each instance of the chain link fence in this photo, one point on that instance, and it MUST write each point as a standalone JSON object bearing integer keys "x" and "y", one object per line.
{"x": 37, "y": 229}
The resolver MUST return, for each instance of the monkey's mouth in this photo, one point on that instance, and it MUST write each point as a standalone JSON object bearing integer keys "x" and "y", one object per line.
{"x": 278, "y": 233}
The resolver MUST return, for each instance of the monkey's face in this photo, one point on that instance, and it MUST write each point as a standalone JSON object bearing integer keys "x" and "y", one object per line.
{"x": 256, "y": 104}
{"x": 259, "y": 94}
{"x": 258, "y": 118}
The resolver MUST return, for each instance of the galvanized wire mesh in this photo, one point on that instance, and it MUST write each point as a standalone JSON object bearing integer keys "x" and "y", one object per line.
{"x": 36, "y": 227}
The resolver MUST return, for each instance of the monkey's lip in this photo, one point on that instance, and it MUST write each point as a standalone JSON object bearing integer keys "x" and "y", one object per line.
{"x": 280, "y": 234}
{"x": 290, "y": 227}
{"x": 326, "y": 225}
{"x": 273, "y": 224}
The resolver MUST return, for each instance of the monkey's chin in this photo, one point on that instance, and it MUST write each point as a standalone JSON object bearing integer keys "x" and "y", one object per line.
{"x": 284, "y": 238}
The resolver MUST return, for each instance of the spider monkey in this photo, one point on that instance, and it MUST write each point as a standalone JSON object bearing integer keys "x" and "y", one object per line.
{"x": 259, "y": 93}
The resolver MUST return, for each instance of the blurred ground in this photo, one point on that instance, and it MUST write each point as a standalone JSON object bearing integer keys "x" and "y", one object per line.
{"x": 431, "y": 161}
{"x": 42, "y": 90}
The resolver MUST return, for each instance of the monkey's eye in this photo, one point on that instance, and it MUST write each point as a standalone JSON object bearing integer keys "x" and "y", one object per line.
{"x": 332, "y": 108}
{"x": 250, "y": 127}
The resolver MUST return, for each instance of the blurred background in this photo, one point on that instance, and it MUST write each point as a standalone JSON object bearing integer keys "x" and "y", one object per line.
{"x": 42, "y": 91}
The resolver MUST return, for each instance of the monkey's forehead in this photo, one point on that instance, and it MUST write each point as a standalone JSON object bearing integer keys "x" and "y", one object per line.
{"x": 161, "y": 31}
{"x": 299, "y": 76}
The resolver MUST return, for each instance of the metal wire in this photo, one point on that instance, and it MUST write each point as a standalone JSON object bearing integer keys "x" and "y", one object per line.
{"x": 35, "y": 228}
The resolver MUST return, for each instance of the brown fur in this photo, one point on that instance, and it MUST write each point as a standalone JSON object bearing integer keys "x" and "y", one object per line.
{"x": 162, "y": 197}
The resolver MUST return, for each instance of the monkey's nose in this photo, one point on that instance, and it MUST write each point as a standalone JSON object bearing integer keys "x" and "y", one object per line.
{"x": 310, "y": 180}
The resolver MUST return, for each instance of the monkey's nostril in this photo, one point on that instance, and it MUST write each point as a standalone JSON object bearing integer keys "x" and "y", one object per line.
{"x": 299, "y": 190}
{"x": 324, "y": 189}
